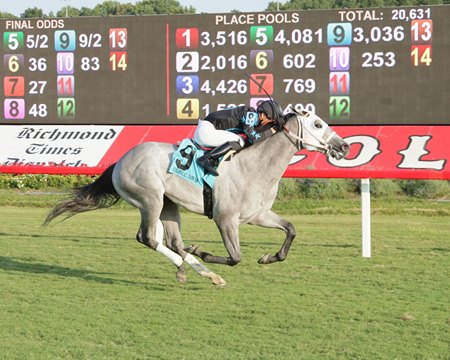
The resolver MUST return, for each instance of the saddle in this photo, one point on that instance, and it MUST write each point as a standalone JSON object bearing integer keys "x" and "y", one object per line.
{"x": 184, "y": 164}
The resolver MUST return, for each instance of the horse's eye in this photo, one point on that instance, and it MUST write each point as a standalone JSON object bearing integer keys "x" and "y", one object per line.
{"x": 318, "y": 124}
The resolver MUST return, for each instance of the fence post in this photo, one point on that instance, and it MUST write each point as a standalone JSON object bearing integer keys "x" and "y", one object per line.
{"x": 365, "y": 209}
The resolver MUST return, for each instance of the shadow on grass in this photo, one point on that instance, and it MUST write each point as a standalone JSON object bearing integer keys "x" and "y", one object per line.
{"x": 342, "y": 246}
{"x": 64, "y": 237}
{"x": 270, "y": 244}
{"x": 10, "y": 264}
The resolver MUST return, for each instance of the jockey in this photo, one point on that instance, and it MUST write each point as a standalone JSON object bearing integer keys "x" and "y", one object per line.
{"x": 219, "y": 130}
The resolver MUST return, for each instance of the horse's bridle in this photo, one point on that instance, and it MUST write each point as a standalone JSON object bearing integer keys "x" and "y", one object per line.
{"x": 300, "y": 141}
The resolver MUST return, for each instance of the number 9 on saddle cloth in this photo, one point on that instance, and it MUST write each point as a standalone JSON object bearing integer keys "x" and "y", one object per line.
{"x": 184, "y": 164}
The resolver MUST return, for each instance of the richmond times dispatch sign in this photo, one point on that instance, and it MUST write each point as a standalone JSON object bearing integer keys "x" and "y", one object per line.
{"x": 418, "y": 152}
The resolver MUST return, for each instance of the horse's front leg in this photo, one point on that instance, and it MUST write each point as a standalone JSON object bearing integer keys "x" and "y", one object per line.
{"x": 229, "y": 229}
{"x": 271, "y": 220}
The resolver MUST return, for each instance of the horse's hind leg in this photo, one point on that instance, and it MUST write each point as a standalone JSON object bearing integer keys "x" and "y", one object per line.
{"x": 170, "y": 217}
{"x": 147, "y": 233}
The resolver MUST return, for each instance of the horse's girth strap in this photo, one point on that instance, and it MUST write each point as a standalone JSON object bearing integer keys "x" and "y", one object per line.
{"x": 207, "y": 200}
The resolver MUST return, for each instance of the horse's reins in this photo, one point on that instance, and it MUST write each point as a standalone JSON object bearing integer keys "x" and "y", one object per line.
{"x": 301, "y": 141}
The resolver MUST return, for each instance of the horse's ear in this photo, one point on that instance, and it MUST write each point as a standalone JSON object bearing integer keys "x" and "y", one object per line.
{"x": 282, "y": 121}
{"x": 295, "y": 111}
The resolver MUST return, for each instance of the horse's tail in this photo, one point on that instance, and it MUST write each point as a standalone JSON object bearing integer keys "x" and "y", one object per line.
{"x": 97, "y": 195}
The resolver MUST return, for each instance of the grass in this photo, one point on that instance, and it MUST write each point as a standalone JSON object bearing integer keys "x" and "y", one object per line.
{"x": 85, "y": 289}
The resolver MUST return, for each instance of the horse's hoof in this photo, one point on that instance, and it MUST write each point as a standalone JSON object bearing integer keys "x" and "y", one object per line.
{"x": 181, "y": 275}
{"x": 265, "y": 259}
{"x": 217, "y": 280}
{"x": 191, "y": 249}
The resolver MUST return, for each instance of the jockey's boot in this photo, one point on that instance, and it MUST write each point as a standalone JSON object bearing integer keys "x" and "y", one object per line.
{"x": 209, "y": 160}
{"x": 208, "y": 164}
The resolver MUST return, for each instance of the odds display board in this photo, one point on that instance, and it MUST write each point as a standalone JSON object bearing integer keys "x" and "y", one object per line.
{"x": 80, "y": 92}
{"x": 381, "y": 66}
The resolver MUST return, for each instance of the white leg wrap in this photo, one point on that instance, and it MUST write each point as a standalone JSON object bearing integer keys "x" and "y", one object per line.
{"x": 177, "y": 260}
{"x": 159, "y": 232}
{"x": 172, "y": 256}
{"x": 203, "y": 270}
{"x": 195, "y": 264}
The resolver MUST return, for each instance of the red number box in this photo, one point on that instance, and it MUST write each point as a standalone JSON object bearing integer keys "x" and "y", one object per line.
{"x": 186, "y": 38}
{"x": 265, "y": 82}
{"x": 14, "y": 86}
{"x": 421, "y": 55}
{"x": 421, "y": 31}
{"x": 118, "y": 60}
{"x": 118, "y": 38}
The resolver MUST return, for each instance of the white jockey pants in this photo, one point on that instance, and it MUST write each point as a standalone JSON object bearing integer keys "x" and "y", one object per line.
{"x": 207, "y": 135}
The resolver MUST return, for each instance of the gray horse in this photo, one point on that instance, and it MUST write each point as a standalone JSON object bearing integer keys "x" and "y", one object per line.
{"x": 243, "y": 193}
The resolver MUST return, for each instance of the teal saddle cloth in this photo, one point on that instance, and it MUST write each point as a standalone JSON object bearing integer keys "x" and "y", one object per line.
{"x": 184, "y": 164}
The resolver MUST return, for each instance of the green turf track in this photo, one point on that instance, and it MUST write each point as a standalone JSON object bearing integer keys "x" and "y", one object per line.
{"x": 85, "y": 289}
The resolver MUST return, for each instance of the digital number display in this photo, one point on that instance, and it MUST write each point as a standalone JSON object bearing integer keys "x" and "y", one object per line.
{"x": 380, "y": 66}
